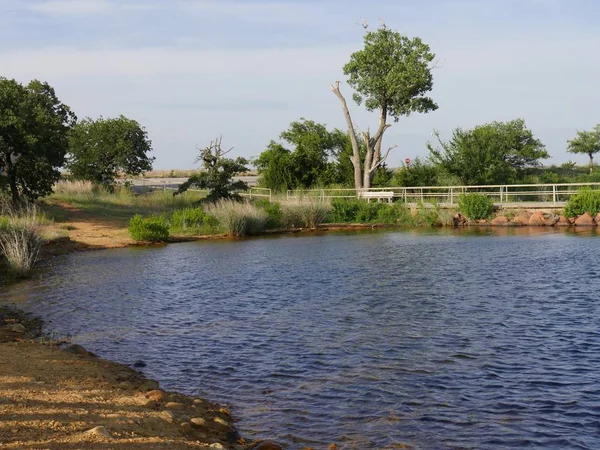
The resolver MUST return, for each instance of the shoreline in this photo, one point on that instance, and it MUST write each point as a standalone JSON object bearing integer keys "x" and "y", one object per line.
{"x": 57, "y": 397}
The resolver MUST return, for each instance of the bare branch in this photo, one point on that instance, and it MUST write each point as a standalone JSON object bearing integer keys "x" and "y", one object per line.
{"x": 382, "y": 160}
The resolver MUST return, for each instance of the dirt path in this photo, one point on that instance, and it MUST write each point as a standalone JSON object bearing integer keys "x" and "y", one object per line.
{"x": 91, "y": 231}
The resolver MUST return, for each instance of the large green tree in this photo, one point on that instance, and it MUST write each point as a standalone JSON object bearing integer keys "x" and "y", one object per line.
{"x": 392, "y": 74}
{"x": 311, "y": 161}
{"x": 586, "y": 142}
{"x": 217, "y": 172}
{"x": 494, "y": 153}
{"x": 34, "y": 129}
{"x": 100, "y": 149}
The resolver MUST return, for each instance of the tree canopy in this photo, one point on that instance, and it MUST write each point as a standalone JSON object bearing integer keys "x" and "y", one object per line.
{"x": 494, "y": 153}
{"x": 312, "y": 160}
{"x": 34, "y": 130}
{"x": 392, "y": 74}
{"x": 586, "y": 142}
{"x": 216, "y": 173}
{"x": 100, "y": 149}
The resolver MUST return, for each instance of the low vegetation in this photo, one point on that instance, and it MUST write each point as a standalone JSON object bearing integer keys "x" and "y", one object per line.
{"x": 476, "y": 206}
{"x": 303, "y": 213}
{"x": 238, "y": 219}
{"x": 152, "y": 229}
{"x": 585, "y": 201}
{"x": 20, "y": 238}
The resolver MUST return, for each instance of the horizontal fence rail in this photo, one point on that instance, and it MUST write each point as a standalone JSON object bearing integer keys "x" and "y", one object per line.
{"x": 549, "y": 194}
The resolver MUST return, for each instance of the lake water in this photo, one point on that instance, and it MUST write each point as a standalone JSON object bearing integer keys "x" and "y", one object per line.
{"x": 437, "y": 340}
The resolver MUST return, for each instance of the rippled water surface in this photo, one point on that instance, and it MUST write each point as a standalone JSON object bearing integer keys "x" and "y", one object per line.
{"x": 437, "y": 340}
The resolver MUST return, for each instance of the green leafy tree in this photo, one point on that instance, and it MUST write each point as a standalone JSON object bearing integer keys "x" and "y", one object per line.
{"x": 418, "y": 173}
{"x": 392, "y": 75}
{"x": 34, "y": 130}
{"x": 312, "y": 160}
{"x": 587, "y": 142}
{"x": 217, "y": 172}
{"x": 494, "y": 153}
{"x": 100, "y": 149}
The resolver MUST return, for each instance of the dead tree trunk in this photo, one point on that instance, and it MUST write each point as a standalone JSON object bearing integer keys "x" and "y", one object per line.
{"x": 364, "y": 171}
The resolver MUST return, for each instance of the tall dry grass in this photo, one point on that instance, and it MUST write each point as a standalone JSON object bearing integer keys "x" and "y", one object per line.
{"x": 20, "y": 238}
{"x": 238, "y": 218}
{"x": 304, "y": 212}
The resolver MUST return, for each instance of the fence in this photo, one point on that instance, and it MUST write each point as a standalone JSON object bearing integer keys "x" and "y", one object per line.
{"x": 549, "y": 194}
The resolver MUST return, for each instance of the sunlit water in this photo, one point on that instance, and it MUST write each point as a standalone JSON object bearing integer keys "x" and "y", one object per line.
{"x": 437, "y": 340}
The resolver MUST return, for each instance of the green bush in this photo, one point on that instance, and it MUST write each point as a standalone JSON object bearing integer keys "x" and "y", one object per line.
{"x": 344, "y": 211}
{"x": 273, "y": 210}
{"x": 306, "y": 213}
{"x": 153, "y": 229}
{"x": 586, "y": 200}
{"x": 239, "y": 218}
{"x": 475, "y": 206}
{"x": 193, "y": 220}
{"x": 21, "y": 240}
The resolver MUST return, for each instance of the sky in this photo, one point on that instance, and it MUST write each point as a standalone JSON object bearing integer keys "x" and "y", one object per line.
{"x": 192, "y": 70}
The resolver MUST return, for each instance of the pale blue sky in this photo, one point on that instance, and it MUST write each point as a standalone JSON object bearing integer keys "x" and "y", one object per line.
{"x": 191, "y": 70}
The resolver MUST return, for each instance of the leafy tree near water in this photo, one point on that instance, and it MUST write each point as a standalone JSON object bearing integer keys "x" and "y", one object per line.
{"x": 494, "y": 153}
{"x": 391, "y": 74}
{"x": 34, "y": 130}
{"x": 217, "y": 172}
{"x": 586, "y": 142}
{"x": 100, "y": 149}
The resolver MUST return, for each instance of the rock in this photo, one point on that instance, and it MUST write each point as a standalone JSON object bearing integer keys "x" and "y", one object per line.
{"x": 17, "y": 328}
{"x": 481, "y": 222}
{"x": 139, "y": 363}
{"x": 198, "y": 401}
{"x": 224, "y": 411}
{"x": 522, "y": 217}
{"x": 198, "y": 422}
{"x": 157, "y": 395}
{"x": 216, "y": 445}
{"x": 500, "y": 221}
{"x": 459, "y": 220}
{"x": 152, "y": 404}
{"x": 148, "y": 385}
{"x": 584, "y": 221}
{"x": 186, "y": 427}
{"x": 537, "y": 219}
{"x": 597, "y": 219}
{"x": 174, "y": 405}
{"x": 167, "y": 416}
{"x": 221, "y": 422}
{"x": 127, "y": 385}
{"x": 100, "y": 432}
{"x": 563, "y": 222}
{"x": 551, "y": 219}
{"x": 78, "y": 350}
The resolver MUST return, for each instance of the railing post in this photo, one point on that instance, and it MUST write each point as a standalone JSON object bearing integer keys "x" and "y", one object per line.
{"x": 270, "y": 196}
{"x": 554, "y": 193}
{"x": 501, "y": 190}
{"x": 452, "y": 196}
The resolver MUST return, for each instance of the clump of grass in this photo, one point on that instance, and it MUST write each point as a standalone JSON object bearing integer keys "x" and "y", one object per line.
{"x": 73, "y": 188}
{"x": 192, "y": 221}
{"x": 153, "y": 229}
{"x": 238, "y": 218}
{"x": 585, "y": 201}
{"x": 304, "y": 212}
{"x": 273, "y": 210}
{"x": 21, "y": 239}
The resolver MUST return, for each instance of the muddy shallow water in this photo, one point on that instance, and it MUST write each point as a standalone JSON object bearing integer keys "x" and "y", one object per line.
{"x": 435, "y": 340}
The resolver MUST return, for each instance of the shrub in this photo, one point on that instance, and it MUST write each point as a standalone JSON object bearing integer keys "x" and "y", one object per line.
{"x": 153, "y": 229}
{"x": 21, "y": 240}
{"x": 238, "y": 218}
{"x": 475, "y": 206}
{"x": 193, "y": 220}
{"x": 344, "y": 211}
{"x": 586, "y": 200}
{"x": 273, "y": 210}
{"x": 303, "y": 212}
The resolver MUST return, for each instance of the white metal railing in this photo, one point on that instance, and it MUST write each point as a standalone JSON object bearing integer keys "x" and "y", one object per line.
{"x": 503, "y": 194}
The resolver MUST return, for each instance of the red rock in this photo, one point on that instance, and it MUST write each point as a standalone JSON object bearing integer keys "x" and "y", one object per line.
{"x": 522, "y": 217}
{"x": 537, "y": 218}
{"x": 563, "y": 222}
{"x": 584, "y": 220}
{"x": 500, "y": 220}
{"x": 597, "y": 219}
{"x": 157, "y": 395}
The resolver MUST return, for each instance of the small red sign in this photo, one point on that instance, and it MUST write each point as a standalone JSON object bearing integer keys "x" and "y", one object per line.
{"x": 407, "y": 161}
